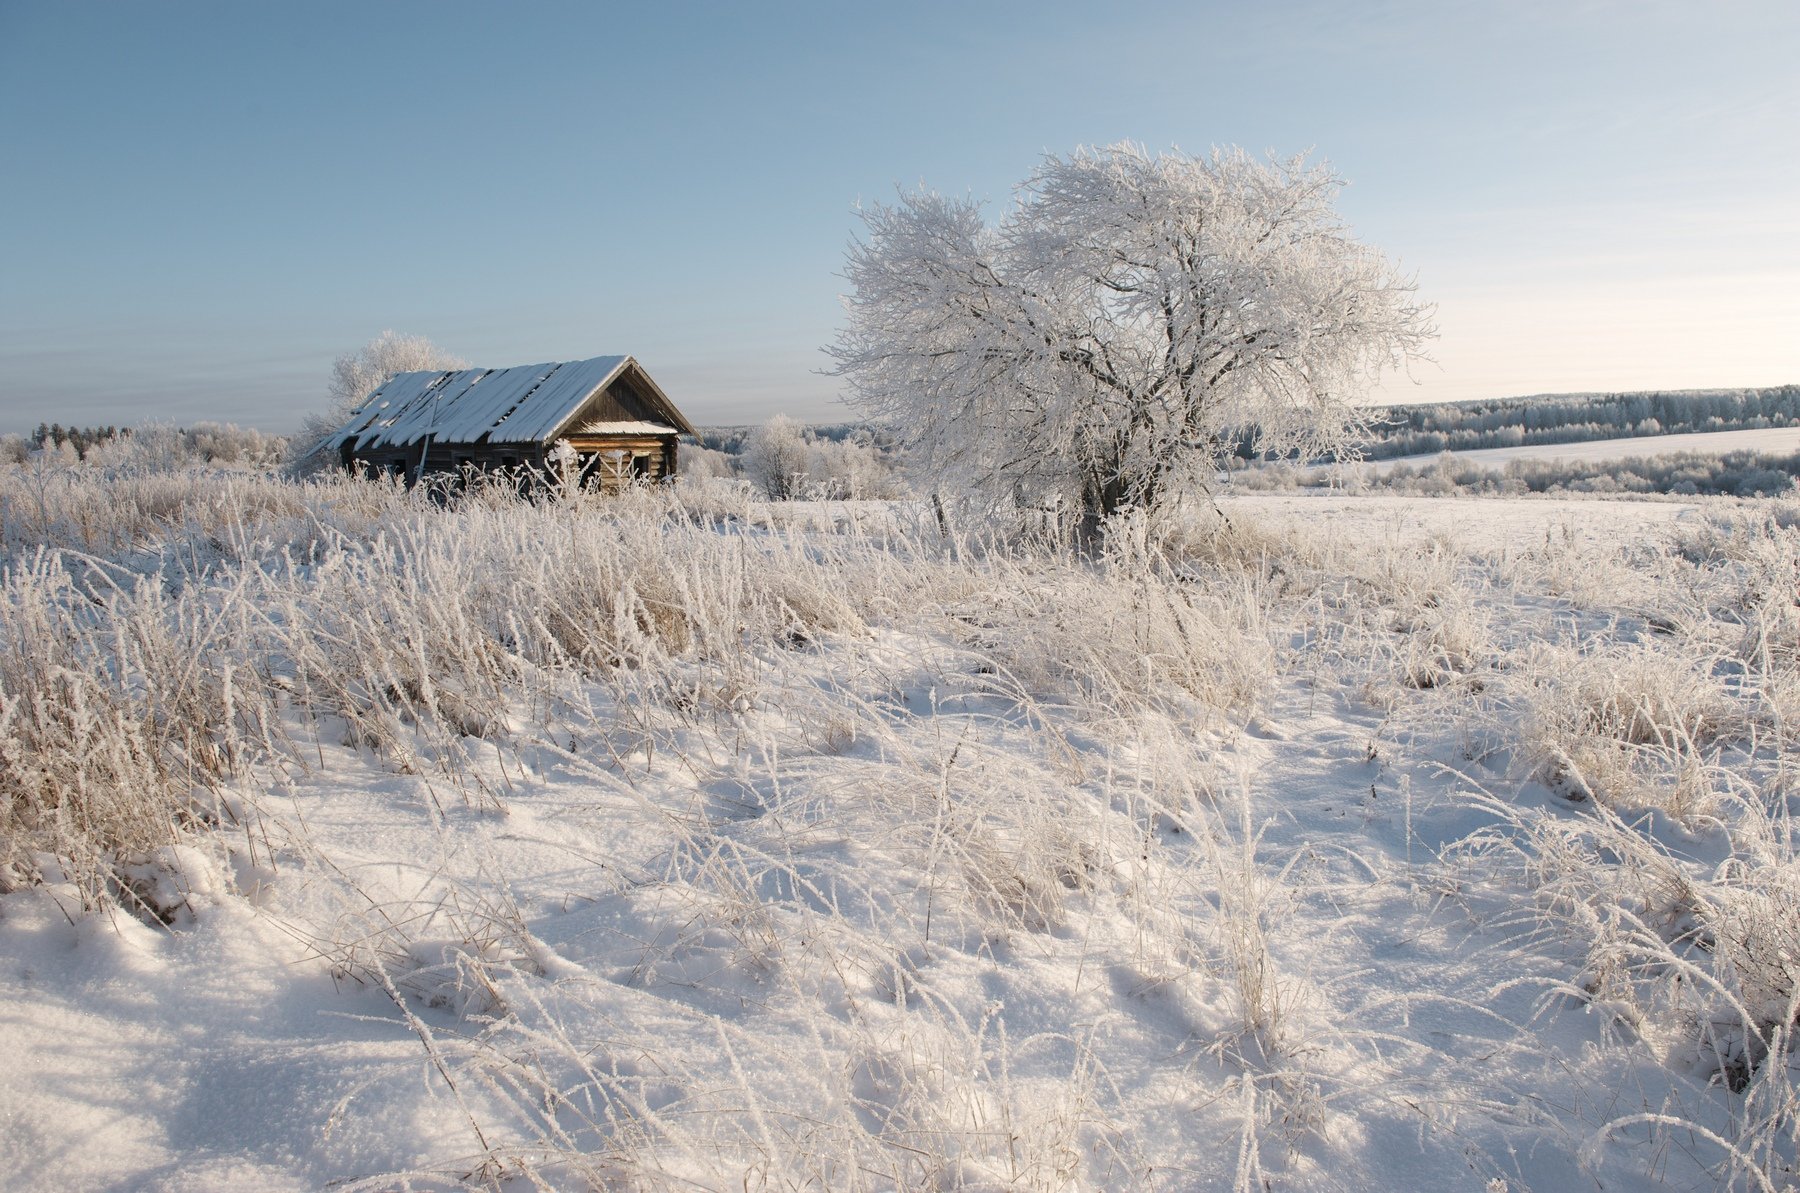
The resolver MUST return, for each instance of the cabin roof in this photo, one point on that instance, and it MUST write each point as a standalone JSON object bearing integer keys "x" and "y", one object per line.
{"x": 524, "y": 404}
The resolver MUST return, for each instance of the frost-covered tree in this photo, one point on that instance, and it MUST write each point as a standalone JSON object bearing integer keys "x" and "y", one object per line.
{"x": 776, "y": 456}
{"x": 701, "y": 463}
{"x": 851, "y": 468}
{"x": 354, "y": 376}
{"x": 1123, "y": 327}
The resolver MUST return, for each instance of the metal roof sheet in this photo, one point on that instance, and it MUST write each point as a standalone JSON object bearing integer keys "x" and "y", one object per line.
{"x": 517, "y": 405}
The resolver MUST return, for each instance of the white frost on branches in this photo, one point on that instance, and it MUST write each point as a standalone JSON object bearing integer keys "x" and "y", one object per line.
{"x": 1112, "y": 338}
{"x": 354, "y": 376}
{"x": 785, "y": 460}
{"x": 775, "y": 458}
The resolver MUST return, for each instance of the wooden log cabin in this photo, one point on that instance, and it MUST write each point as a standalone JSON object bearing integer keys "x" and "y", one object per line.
{"x": 618, "y": 423}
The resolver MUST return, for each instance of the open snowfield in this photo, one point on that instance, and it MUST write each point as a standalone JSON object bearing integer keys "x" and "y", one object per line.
{"x": 1494, "y": 526}
{"x": 1711, "y": 443}
{"x": 691, "y": 843}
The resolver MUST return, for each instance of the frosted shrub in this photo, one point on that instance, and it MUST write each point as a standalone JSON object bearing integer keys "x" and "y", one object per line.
{"x": 117, "y": 513}
{"x": 1649, "y": 696}
{"x": 1760, "y": 572}
{"x": 1204, "y": 541}
{"x": 1007, "y": 844}
{"x": 119, "y": 719}
{"x": 1124, "y": 639}
{"x": 1695, "y": 961}
{"x": 1590, "y": 571}
{"x": 1753, "y": 919}
{"x": 1443, "y": 640}
{"x": 411, "y": 643}
{"x": 775, "y": 458}
{"x": 122, "y": 696}
{"x": 1627, "y": 727}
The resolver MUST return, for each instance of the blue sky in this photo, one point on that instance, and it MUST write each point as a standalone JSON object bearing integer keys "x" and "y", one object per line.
{"x": 203, "y": 204}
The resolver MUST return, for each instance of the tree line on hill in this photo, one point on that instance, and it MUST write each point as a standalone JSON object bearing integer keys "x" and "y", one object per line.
{"x": 1429, "y": 428}
{"x": 1678, "y": 474}
{"x": 1681, "y": 474}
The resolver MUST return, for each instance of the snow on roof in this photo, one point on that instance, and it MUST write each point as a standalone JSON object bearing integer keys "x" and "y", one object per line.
{"x": 517, "y": 405}
{"x": 623, "y": 428}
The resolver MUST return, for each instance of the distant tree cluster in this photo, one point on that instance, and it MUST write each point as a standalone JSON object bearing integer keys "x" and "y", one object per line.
{"x": 787, "y": 460}
{"x": 153, "y": 446}
{"x": 1428, "y": 428}
{"x": 731, "y": 439}
{"x": 79, "y": 439}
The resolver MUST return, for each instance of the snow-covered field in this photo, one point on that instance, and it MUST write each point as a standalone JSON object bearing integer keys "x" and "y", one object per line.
{"x": 1494, "y": 526}
{"x": 673, "y": 843}
{"x": 1710, "y": 443}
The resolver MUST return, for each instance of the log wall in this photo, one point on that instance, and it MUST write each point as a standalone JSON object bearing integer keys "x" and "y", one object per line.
{"x": 606, "y": 461}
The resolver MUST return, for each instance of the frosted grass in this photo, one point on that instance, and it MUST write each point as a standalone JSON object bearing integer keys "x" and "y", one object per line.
{"x": 695, "y": 841}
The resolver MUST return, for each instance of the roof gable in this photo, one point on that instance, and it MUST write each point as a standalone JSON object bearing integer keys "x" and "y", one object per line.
{"x": 630, "y": 402}
{"x": 529, "y": 403}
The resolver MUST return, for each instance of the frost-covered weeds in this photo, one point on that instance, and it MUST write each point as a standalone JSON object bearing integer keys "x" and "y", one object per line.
{"x": 856, "y": 769}
{"x": 1656, "y": 724}
{"x": 134, "y": 687}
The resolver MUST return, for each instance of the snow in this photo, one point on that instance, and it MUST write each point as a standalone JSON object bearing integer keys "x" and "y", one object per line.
{"x": 1486, "y": 524}
{"x": 623, "y": 428}
{"x": 1711, "y": 443}
{"x": 515, "y": 405}
{"x": 980, "y": 871}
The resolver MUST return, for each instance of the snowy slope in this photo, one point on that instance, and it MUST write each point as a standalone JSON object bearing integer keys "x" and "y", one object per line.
{"x": 896, "y": 869}
{"x": 1712, "y": 443}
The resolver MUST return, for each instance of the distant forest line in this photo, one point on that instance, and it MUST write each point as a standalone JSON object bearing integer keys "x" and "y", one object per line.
{"x": 1429, "y": 428}
{"x": 1676, "y": 474}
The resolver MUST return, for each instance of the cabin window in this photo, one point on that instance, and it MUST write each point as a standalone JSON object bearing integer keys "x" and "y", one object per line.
{"x": 397, "y": 466}
{"x": 640, "y": 467}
